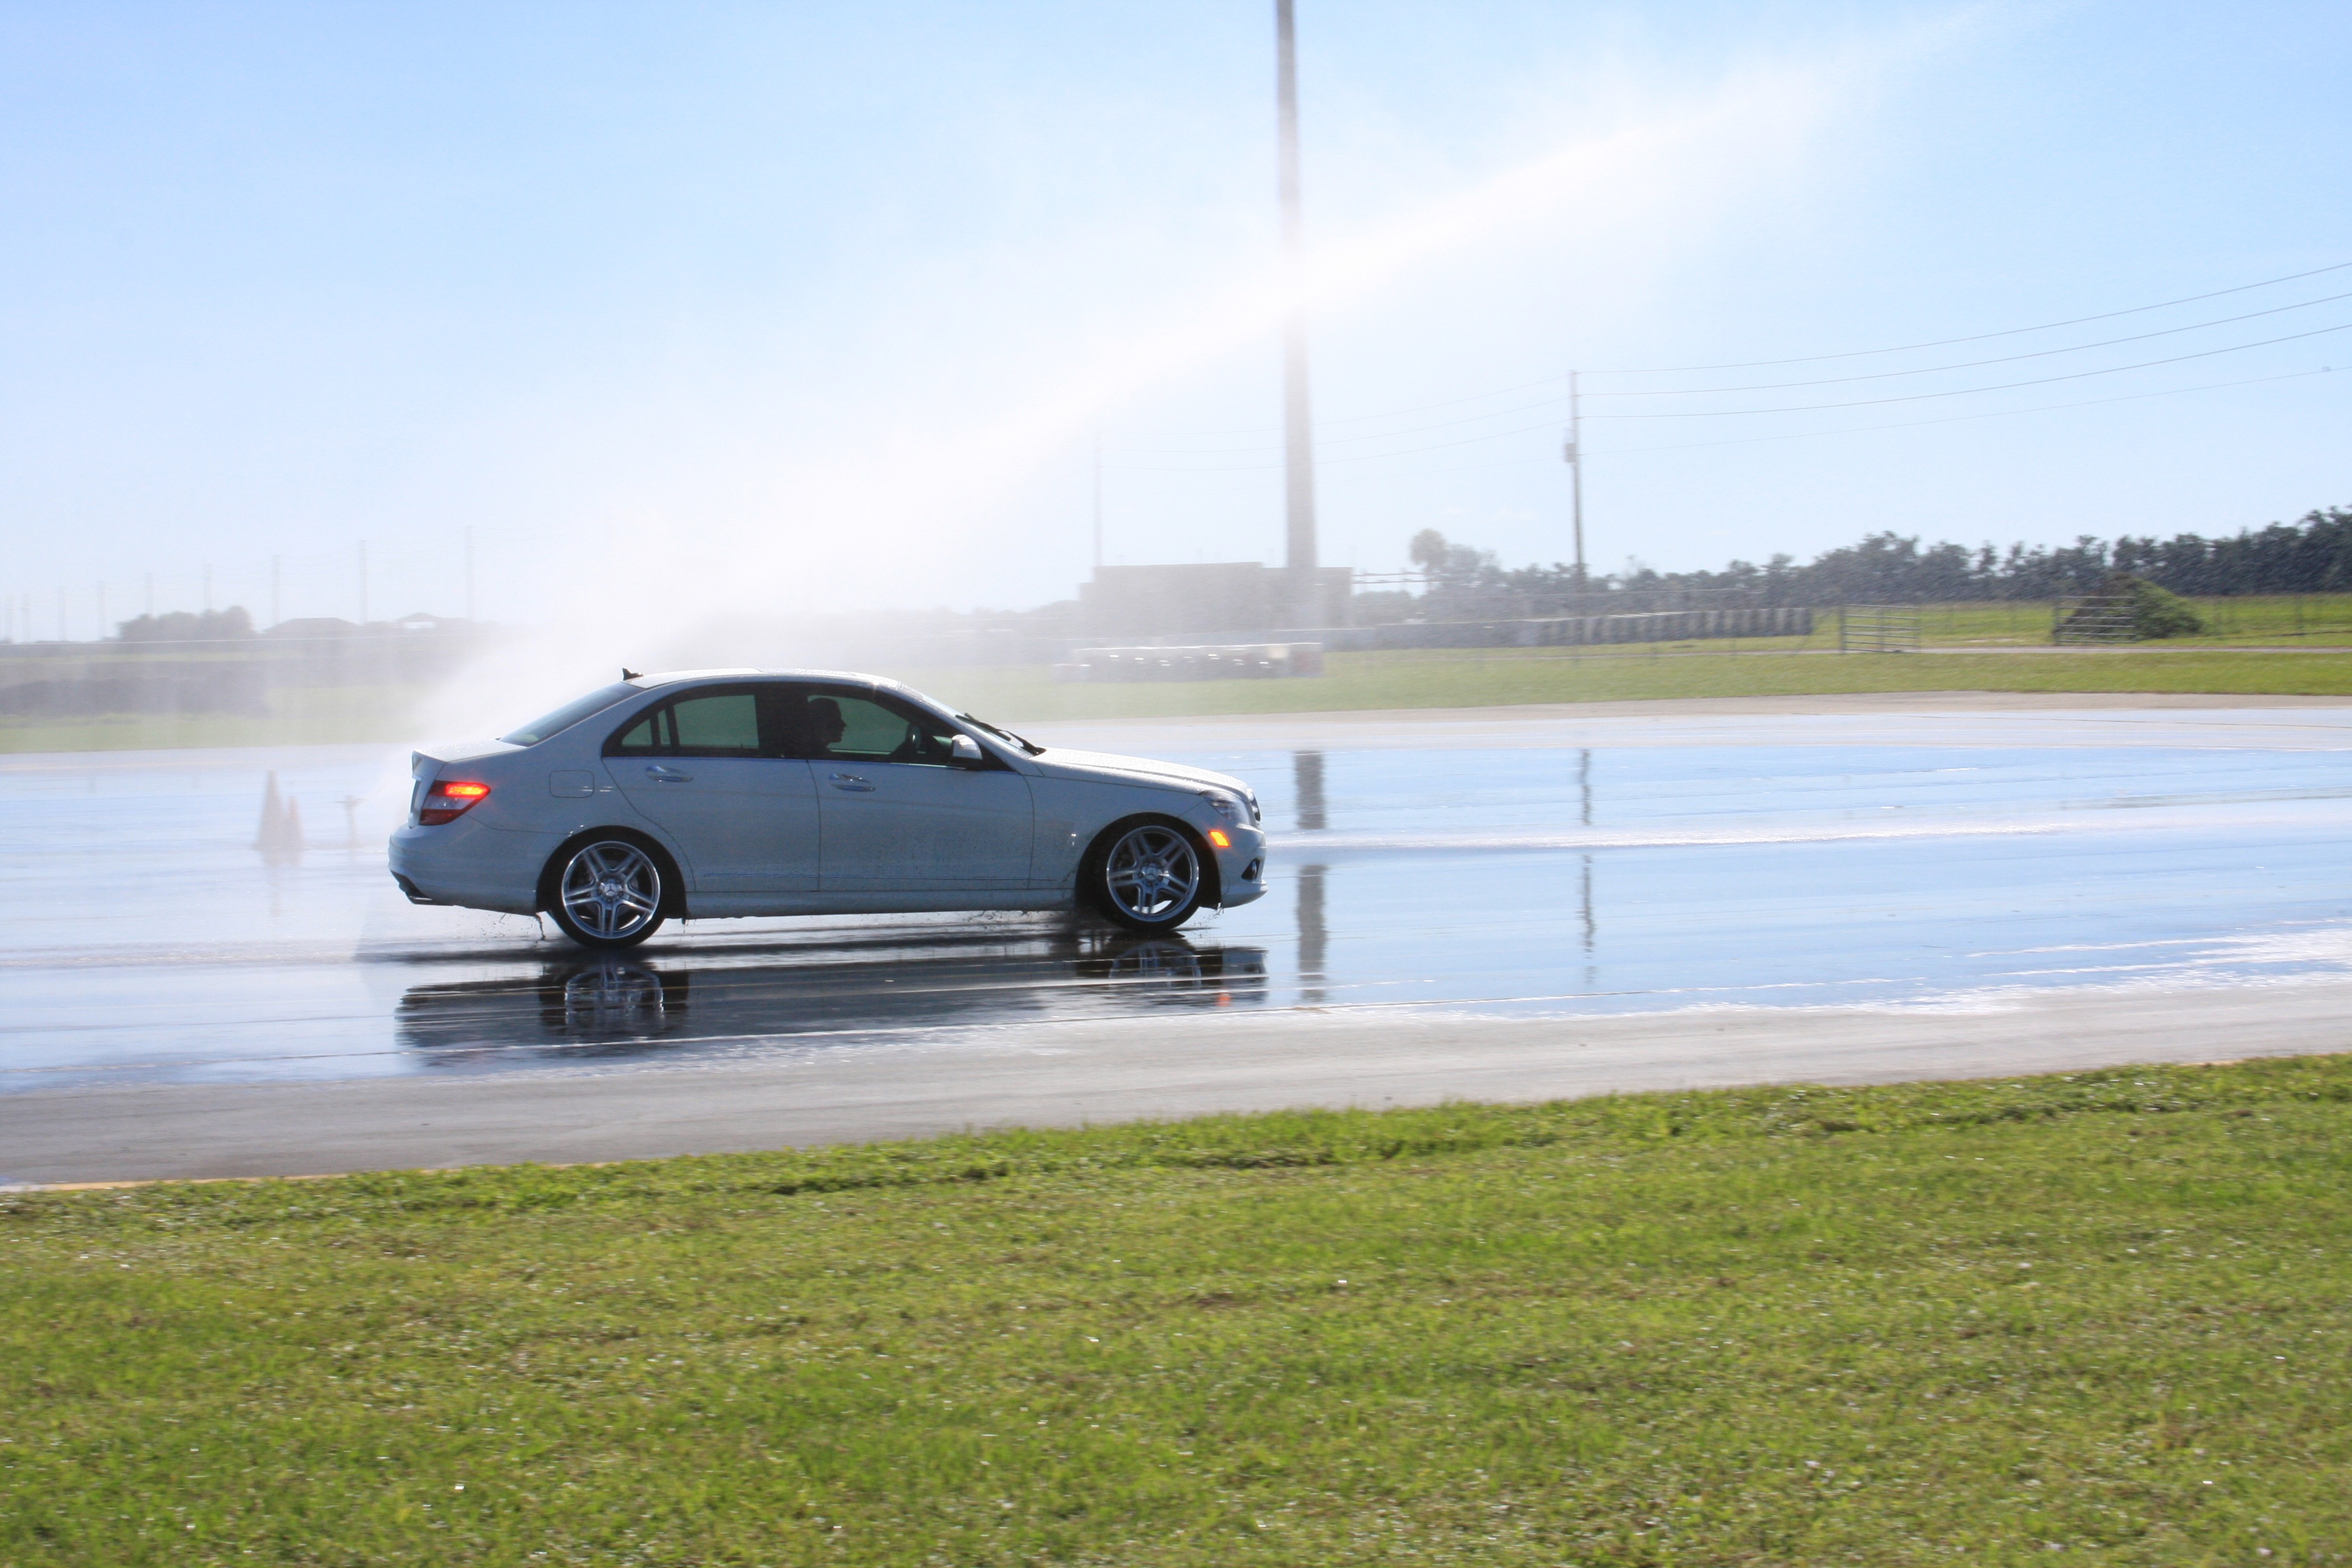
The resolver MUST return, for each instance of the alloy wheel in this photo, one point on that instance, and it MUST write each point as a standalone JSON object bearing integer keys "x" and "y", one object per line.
{"x": 612, "y": 890}
{"x": 1152, "y": 875}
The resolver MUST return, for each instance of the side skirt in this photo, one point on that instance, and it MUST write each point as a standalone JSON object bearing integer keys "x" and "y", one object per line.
{"x": 704, "y": 906}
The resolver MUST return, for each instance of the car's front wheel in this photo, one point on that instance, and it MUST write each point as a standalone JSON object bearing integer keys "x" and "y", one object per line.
{"x": 608, "y": 894}
{"x": 1148, "y": 877}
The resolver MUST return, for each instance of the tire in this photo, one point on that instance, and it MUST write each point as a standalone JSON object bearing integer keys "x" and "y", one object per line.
{"x": 607, "y": 893}
{"x": 607, "y": 999}
{"x": 1147, "y": 876}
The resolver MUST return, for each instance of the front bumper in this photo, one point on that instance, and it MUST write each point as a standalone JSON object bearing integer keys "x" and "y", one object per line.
{"x": 1241, "y": 870}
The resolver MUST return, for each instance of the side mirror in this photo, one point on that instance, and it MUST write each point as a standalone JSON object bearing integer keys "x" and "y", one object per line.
{"x": 964, "y": 752}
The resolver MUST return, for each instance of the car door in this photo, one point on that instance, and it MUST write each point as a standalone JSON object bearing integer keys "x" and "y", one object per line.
{"x": 896, "y": 814}
{"x": 712, "y": 767}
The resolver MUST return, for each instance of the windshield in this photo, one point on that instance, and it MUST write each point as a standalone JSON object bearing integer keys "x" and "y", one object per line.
{"x": 571, "y": 713}
{"x": 1001, "y": 733}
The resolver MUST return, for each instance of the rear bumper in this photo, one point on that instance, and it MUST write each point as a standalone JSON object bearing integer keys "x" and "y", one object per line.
{"x": 414, "y": 894}
{"x": 472, "y": 865}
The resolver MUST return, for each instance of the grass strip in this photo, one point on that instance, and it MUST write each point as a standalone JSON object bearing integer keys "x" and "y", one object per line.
{"x": 2104, "y": 1313}
{"x": 1465, "y": 677}
{"x": 1496, "y": 677}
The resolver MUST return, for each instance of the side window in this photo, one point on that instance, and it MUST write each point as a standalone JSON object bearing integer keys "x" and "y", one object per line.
{"x": 650, "y": 736}
{"x": 717, "y": 724}
{"x": 841, "y": 726}
{"x": 702, "y": 724}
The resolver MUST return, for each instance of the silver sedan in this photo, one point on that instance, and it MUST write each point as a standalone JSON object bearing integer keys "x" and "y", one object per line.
{"x": 709, "y": 793}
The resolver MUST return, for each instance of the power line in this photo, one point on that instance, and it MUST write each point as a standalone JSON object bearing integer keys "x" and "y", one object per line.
{"x": 1864, "y": 429}
{"x": 1968, "y": 391}
{"x": 1981, "y": 337}
{"x": 1977, "y": 363}
{"x": 1772, "y": 386}
{"x": 1362, "y": 418}
{"x": 1794, "y": 435}
{"x": 1954, "y": 418}
{"x": 1374, "y": 435}
{"x": 1770, "y": 363}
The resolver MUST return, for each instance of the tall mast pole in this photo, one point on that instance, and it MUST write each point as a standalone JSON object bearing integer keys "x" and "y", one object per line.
{"x": 1576, "y": 478}
{"x": 1298, "y": 441}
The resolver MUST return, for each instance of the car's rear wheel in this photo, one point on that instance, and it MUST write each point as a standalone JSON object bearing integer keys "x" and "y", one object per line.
{"x": 1148, "y": 877}
{"x": 608, "y": 894}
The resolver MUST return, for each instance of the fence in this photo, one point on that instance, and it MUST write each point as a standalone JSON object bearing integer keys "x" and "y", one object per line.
{"x": 1572, "y": 631}
{"x": 1879, "y": 629}
{"x": 1437, "y": 602}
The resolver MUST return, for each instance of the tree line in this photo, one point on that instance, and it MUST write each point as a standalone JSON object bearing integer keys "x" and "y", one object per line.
{"x": 2312, "y": 556}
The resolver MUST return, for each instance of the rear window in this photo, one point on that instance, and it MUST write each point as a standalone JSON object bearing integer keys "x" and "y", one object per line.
{"x": 571, "y": 713}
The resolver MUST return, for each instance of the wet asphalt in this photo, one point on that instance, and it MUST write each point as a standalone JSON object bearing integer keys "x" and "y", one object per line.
{"x": 1514, "y": 874}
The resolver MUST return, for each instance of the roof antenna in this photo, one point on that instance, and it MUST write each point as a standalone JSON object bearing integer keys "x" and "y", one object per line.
{"x": 627, "y": 674}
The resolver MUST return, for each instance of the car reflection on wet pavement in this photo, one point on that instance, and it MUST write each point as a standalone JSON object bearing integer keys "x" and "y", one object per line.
{"x": 585, "y": 1008}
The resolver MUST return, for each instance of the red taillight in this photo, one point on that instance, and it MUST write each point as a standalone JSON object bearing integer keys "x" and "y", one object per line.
{"x": 447, "y": 801}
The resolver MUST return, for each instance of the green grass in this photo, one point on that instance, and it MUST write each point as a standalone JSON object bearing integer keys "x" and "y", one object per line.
{"x": 298, "y": 716}
{"x": 1947, "y": 1324}
{"x": 1474, "y": 678}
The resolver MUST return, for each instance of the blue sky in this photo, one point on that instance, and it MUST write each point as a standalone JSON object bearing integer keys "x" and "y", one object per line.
{"x": 692, "y": 309}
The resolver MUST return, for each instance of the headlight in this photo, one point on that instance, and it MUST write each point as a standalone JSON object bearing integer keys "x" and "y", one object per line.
{"x": 1226, "y": 806}
{"x": 1255, "y": 818}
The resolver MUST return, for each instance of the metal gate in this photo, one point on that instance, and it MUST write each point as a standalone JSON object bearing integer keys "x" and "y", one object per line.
{"x": 1878, "y": 629}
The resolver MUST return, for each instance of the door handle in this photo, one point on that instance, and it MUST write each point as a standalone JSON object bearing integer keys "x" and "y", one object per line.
{"x": 851, "y": 783}
{"x": 661, "y": 775}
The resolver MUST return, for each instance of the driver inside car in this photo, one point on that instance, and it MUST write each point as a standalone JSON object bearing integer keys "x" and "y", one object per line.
{"x": 825, "y": 725}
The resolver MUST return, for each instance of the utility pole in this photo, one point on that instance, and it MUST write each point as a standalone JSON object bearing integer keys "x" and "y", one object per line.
{"x": 1098, "y": 506}
{"x": 1298, "y": 440}
{"x": 1574, "y": 453}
